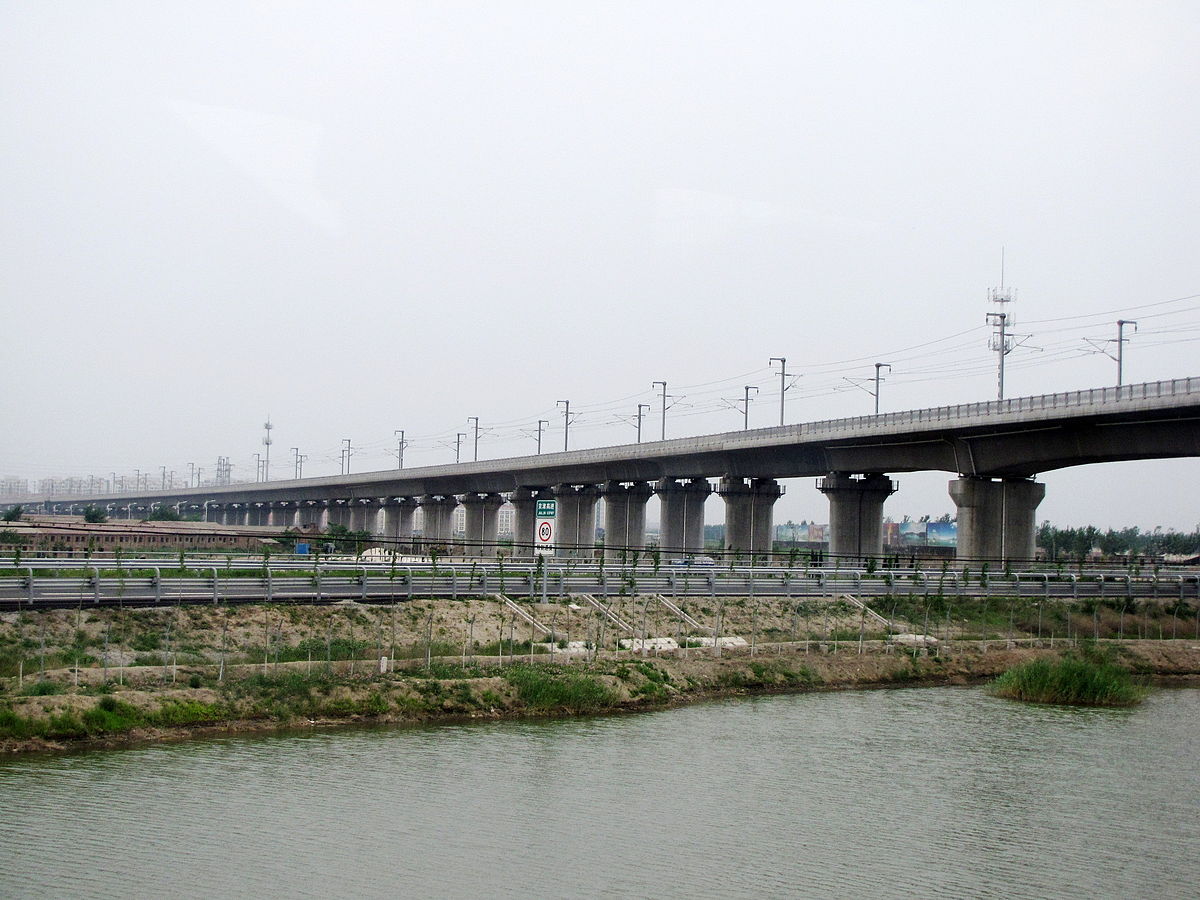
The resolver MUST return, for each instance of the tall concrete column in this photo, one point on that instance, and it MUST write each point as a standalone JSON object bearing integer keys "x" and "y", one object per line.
{"x": 310, "y": 512}
{"x": 856, "y": 513}
{"x": 337, "y": 512}
{"x": 997, "y": 520}
{"x": 281, "y": 513}
{"x": 624, "y": 517}
{"x": 398, "y": 519}
{"x": 681, "y": 520}
{"x": 438, "y": 513}
{"x": 576, "y": 528}
{"x": 363, "y": 513}
{"x": 749, "y": 514}
{"x": 481, "y": 523}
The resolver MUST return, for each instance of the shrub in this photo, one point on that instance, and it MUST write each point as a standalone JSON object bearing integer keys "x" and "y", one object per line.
{"x": 1083, "y": 680}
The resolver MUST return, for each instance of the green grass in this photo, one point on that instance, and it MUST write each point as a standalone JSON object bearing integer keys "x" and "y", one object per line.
{"x": 551, "y": 689}
{"x": 1084, "y": 680}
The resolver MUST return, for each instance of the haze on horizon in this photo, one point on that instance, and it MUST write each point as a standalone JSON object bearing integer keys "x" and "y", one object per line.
{"x": 363, "y": 218}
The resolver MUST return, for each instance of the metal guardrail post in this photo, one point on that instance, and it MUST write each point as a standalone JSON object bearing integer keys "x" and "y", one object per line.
{"x": 157, "y": 581}
{"x": 270, "y": 586}
{"x": 216, "y": 583}
{"x": 96, "y": 585}
{"x": 29, "y": 585}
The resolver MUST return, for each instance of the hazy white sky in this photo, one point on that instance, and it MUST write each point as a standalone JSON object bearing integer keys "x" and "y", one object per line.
{"x": 361, "y": 217}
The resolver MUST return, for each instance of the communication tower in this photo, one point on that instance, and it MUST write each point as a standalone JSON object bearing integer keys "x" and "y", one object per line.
{"x": 1001, "y": 318}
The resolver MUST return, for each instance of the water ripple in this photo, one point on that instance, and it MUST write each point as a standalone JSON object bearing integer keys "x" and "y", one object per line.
{"x": 945, "y": 793}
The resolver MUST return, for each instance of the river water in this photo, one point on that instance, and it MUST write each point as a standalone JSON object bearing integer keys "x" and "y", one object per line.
{"x": 896, "y": 793}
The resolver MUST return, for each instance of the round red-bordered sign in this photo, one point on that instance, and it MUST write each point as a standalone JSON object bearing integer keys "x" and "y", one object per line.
{"x": 545, "y": 532}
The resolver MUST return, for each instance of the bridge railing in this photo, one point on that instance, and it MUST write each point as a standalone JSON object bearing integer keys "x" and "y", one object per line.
{"x": 1090, "y": 397}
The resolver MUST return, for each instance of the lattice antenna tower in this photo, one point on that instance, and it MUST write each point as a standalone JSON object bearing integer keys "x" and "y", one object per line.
{"x": 1000, "y": 317}
{"x": 267, "y": 442}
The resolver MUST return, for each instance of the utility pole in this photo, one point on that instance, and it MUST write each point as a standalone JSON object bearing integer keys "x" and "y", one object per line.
{"x": 541, "y": 422}
{"x": 298, "y": 462}
{"x": 1121, "y": 339}
{"x": 258, "y": 467}
{"x": 664, "y": 406}
{"x": 475, "y": 419}
{"x": 1002, "y": 344}
{"x": 267, "y": 443}
{"x": 346, "y": 452}
{"x": 641, "y": 406}
{"x": 401, "y": 443}
{"x": 879, "y": 366}
{"x": 746, "y": 402}
{"x": 164, "y": 477}
{"x": 458, "y": 439}
{"x": 192, "y": 474}
{"x": 782, "y": 381}
{"x": 137, "y": 479}
{"x": 566, "y": 405}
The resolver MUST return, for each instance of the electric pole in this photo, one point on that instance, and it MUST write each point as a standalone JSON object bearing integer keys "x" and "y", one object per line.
{"x": 879, "y": 366}
{"x": 475, "y": 419}
{"x": 346, "y": 453}
{"x": 641, "y": 406}
{"x": 566, "y": 405}
{"x": 401, "y": 443}
{"x": 782, "y": 360}
{"x": 298, "y": 462}
{"x": 746, "y": 402}
{"x": 541, "y": 422}
{"x": 458, "y": 439}
{"x": 664, "y": 406}
{"x": 1121, "y": 339}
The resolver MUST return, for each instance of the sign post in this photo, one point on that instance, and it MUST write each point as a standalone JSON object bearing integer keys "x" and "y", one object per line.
{"x": 545, "y": 526}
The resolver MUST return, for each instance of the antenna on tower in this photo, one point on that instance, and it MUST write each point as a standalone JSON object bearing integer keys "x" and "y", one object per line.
{"x": 266, "y": 465}
{"x": 1001, "y": 317}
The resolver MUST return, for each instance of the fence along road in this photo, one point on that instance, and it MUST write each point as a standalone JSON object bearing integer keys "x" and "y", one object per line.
{"x": 58, "y": 586}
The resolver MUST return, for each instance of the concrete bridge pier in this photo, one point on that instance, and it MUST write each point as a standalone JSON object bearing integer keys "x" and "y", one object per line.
{"x": 856, "y": 513}
{"x": 997, "y": 519}
{"x": 363, "y": 514}
{"x": 398, "y": 519}
{"x": 681, "y": 521}
{"x": 749, "y": 513}
{"x": 481, "y": 523}
{"x": 281, "y": 513}
{"x": 624, "y": 517}
{"x": 438, "y": 513}
{"x": 576, "y": 528}
{"x": 310, "y": 512}
{"x": 337, "y": 513}
{"x": 524, "y": 501}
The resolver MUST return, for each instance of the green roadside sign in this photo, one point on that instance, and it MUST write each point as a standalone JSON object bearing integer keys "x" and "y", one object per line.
{"x": 547, "y": 509}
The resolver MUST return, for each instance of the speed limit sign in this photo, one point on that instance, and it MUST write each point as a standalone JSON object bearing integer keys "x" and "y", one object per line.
{"x": 543, "y": 532}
